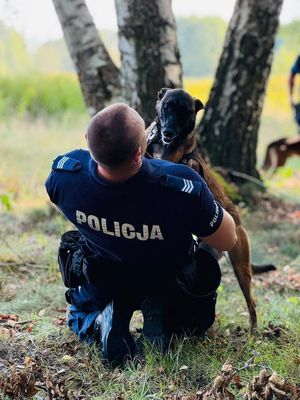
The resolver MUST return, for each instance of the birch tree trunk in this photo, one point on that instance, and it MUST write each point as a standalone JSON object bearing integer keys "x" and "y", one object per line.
{"x": 99, "y": 77}
{"x": 149, "y": 52}
{"x": 230, "y": 124}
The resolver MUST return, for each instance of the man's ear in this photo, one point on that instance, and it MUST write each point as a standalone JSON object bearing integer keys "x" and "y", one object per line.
{"x": 138, "y": 155}
{"x": 198, "y": 105}
{"x": 161, "y": 93}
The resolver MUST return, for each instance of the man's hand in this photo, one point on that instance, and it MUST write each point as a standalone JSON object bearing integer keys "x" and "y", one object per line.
{"x": 224, "y": 239}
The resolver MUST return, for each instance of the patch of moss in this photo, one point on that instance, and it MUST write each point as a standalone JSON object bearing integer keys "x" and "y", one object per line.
{"x": 231, "y": 189}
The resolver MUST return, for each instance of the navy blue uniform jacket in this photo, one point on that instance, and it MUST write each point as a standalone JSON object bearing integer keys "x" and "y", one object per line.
{"x": 145, "y": 223}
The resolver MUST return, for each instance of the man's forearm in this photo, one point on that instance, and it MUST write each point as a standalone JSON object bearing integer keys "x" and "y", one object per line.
{"x": 291, "y": 85}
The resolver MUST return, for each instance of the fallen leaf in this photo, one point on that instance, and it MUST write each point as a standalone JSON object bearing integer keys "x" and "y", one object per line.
{"x": 4, "y": 332}
{"x": 183, "y": 368}
{"x": 13, "y": 317}
{"x": 10, "y": 322}
{"x": 66, "y": 359}
{"x": 28, "y": 361}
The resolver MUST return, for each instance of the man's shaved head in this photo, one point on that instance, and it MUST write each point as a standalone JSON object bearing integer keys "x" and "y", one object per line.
{"x": 115, "y": 134}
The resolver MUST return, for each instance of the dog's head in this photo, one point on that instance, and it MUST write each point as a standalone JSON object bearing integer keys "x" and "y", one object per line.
{"x": 176, "y": 111}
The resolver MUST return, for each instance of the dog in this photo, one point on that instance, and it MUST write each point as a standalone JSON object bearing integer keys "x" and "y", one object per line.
{"x": 279, "y": 151}
{"x": 172, "y": 136}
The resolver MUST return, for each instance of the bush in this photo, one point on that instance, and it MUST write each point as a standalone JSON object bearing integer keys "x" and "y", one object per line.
{"x": 50, "y": 95}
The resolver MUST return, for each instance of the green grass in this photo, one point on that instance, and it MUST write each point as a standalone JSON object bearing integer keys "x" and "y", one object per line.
{"x": 30, "y": 284}
{"x": 28, "y": 148}
{"x": 38, "y": 296}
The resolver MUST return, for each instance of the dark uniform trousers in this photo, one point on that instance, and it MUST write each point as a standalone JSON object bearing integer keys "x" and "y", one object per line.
{"x": 187, "y": 301}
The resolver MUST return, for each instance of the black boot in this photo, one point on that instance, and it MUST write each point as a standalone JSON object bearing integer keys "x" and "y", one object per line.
{"x": 116, "y": 341}
{"x": 153, "y": 330}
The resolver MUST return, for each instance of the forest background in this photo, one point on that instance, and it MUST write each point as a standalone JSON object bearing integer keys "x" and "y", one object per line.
{"x": 40, "y": 82}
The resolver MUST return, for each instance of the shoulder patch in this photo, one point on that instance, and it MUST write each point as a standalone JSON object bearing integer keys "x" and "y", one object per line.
{"x": 181, "y": 185}
{"x": 64, "y": 163}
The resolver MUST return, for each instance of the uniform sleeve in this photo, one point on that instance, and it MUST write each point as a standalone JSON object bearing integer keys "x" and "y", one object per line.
{"x": 202, "y": 211}
{"x": 296, "y": 67}
{"x": 52, "y": 188}
{"x": 207, "y": 214}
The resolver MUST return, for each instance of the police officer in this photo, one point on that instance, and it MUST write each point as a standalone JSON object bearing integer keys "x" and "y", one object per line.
{"x": 295, "y": 106}
{"x": 136, "y": 218}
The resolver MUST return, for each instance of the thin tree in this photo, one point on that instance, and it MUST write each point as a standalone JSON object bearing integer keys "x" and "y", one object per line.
{"x": 98, "y": 76}
{"x": 230, "y": 124}
{"x": 149, "y": 52}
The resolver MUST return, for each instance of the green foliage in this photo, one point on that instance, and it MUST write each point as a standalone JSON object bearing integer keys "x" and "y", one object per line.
{"x": 14, "y": 57}
{"x": 287, "y": 47}
{"x": 53, "y": 57}
{"x": 5, "y": 200}
{"x": 231, "y": 190}
{"x": 49, "y": 57}
{"x": 41, "y": 94}
{"x": 200, "y": 42}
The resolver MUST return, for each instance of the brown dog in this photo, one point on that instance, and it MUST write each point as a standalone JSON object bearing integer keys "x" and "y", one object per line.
{"x": 279, "y": 151}
{"x": 172, "y": 137}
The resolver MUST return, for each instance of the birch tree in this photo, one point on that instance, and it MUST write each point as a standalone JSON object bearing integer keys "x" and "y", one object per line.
{"x": 230, "y": 124}
{"x": 149, "y": 52}
{"x": 98, "y": 76}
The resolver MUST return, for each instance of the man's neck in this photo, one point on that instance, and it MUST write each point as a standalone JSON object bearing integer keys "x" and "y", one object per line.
{"x": 118, "y": 175}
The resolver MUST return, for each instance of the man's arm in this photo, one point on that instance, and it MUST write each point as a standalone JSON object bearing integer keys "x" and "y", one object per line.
{"x": 224, "y": 238}
{"x": 209, "y": 221}
{"x": 294, "y": 70}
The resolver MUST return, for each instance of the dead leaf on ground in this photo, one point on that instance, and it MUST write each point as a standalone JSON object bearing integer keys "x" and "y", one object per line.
{"x": 5, "y": 317}
{"x": 273, "y": 331}
{"x": 286, "y": 279}
{"x": 61, "y": 320}
{"x": 265, "y": 386}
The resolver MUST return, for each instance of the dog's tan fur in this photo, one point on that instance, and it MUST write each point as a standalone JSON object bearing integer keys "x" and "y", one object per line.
{"x": 279, "y": 151}
{"x": 239, "y": 256}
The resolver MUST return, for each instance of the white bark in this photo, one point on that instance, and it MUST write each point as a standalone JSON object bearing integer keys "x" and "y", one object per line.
{"x": 149, "y": 52}
{"x": 231, "y": 120}
{"x": 98, "y": 76}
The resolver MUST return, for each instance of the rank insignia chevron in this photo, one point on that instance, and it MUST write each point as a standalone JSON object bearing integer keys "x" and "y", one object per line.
{"x": 182, "y": 184}
{"x": 188, "y": 186}
{"x": 64, "y": 163}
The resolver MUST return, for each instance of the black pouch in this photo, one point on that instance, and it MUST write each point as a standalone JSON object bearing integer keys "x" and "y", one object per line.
{"x": 71, "y": 259}
{"x": 201, "y": 277}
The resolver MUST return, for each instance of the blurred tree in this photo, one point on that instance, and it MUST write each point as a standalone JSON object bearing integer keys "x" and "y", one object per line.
{"x": 150, "y": 57}
{"x": 230, "y": 124}
{"x": 200, "y": 43}
{"x": 149, "y": 53}
{"x": 53, "y": 57}
{"x": 287, "y": 47}
{"x": 98, "y": 75}
{"x": 14, "y": 57}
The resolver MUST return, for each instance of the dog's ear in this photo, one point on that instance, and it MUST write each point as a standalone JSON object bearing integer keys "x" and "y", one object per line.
{"x": 198, "y": 105}
{"x": 161, "y": 93}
